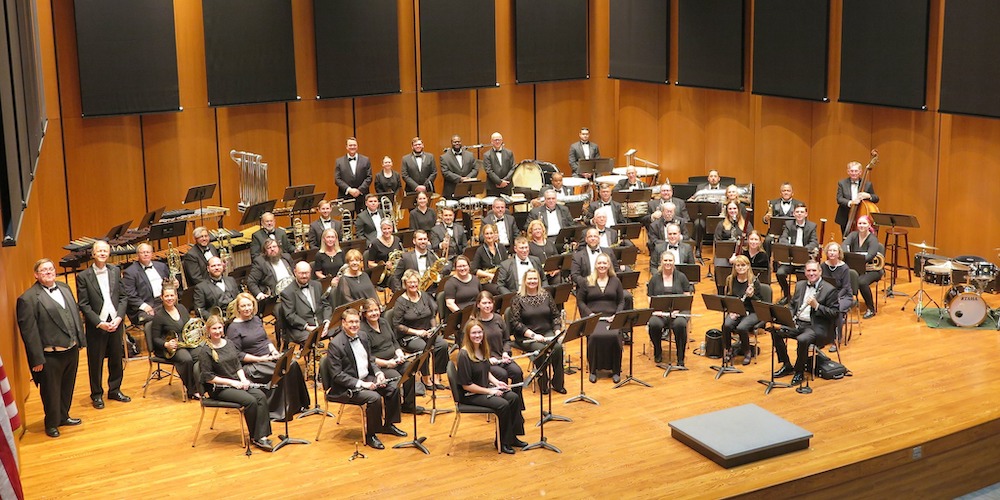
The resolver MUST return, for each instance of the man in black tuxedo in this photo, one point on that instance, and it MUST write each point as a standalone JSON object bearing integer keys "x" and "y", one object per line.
{"x": 269, "y": 231}
{"x": 216, "y": 291}
{"x": 785, "y": 205}
{"x": 667, "y": 194}
{"x": 325, "y": 221}
{"x": 353, "y": 174}
{"x": 356, "y": 379}
{"x": 506, "y": 226}
{"x": 419, "y": 169}
{"x": 714, "y": 181}
{"x": 558, "y": 186}
{"x": 102, "y": 302}
{"x": 582, "y": 150}
{"x": 499, "y": 165}
{"x": 666, "y": 213}
{"x": 457, "y": 239}
{"x": 850, "y": 193}
{"x": 304, "y": 308}
{"x": 369, "y": 220}
{"x": 457, "y": 165}
{"x": 49, "y": 320}
{"x": 604, "y": 200}
{"x": 195, "y": 261}
{"x": 631, "y": 181}
{"x": 584, "y": 257}
{"x": 801, "y": 233}
{"x": 512, "y": 270}
{"x": 666, "y": 236}
{"x": 814, "y": 307}
{"x": 267, "y": 270}
{"x": 554, "y": 216}
{"x": 420, "y": 258}
{"x": 142, "y": 282}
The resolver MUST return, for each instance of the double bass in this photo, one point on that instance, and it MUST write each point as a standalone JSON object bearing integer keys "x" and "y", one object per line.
{"x": 865, "y": 207}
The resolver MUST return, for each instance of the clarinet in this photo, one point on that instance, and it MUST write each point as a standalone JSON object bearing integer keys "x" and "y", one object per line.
{"x": 354, "y": 392}
{"x": 253, "y": 385}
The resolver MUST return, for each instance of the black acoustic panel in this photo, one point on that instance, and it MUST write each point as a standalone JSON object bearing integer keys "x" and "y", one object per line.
{"x": 249, "y": 54}
{"x": 550, "y": 40}
{"x": 357, "y": 48}
{"x": 884, "y": 52}
{"x": 458, "y": 46}
{"x": 128, "y": 56}
{"x": 710, "y": 44}
{"x": 639, "y": 40}
{"x": 970, "y": 70}
{"x": 790, "y": 46}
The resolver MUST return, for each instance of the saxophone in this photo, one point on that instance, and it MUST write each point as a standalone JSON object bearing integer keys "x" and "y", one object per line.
{"x": 348, "y": 222}
{"x": 299, "y": 233}
{"x": 193, "y": 335}
{"x": 432, "y": 275}
{"x": 173, "y": 263}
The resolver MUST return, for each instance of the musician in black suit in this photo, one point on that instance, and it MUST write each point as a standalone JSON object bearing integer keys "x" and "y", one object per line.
{"x": 419, "y": 169}
{"x": 102, "y": 302}
{"x": 368, "y": 220}
{"x": 353, "y": 174}
{"x": 814, "y": 307}
{"x": 324, "y": 222}
{"x": 269, "y": 231}
{"x": 799, "y": 232}
{"x": 631, "y": 181}
{"x": 195, "y": 261}
{"x": 608, "y": 236}
{"x": 582, "y": 150}
{"x": 507, "y": 228}
{"x": 850, "y": 193}
{"x": 142, "y": 282}
{"x": 216, "y": 291}
{"x": 362, "y": 383}
{"x": 50, "y": 325}
{"x": 512, "y": 270}
{"x": 499, "y": 164}
{"x": 714, "y": 181}
{"x": 667, "y": 195}
{"x": 663, "y": 237}
{"x": 558, "y": 186}
{"x": 584, "y": 257}
{"x": 785, "y": 205}
{"x": 457, "y": 239}
{"x": 604, "y": 200}
{"x": 554, "y": 216}
{"x": 267, "y": 270}
{"x": 303, "y": 306}
{"x": 666, "y": 213}
{"x": 388, "y": 353}
{"x": 457, "y": 165}
{"x": 421, "y": 258}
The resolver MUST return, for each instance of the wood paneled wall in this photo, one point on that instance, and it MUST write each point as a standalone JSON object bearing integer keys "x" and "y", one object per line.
{"x": 941, "y": 168}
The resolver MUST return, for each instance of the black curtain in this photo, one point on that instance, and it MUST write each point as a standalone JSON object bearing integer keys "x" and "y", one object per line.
{"x": 458, "y": 47}
{"x": 710, "y": 44}
{"x": 639, "y": 40}
{"x": 970, "y": 69}
{"x": 550, "y": 40}
{"x": 357, "y": 48}
{"x": 790, "y": 41}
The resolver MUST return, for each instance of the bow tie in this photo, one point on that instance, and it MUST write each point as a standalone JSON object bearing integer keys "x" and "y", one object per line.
{"x": 450, "y": 228}
{"x": 551, "y": 210}
{"x": 352, "y": 159}
{"x": 54, "y": 289}
{"x": 373, "y": 214}
{"x": 304, "y": 287}
{"x": 585, "y": 143}
{"x": 216, "y": 281}
{"x": 595, "y": 252}
{"x": 424, "y": 256}
{"x": 800, "y": 227}
{"x": 147, "y": 268}
{"x": 602, "y": 231}
{"x": 418, "y": 155}
{"x": 671, "y": 247}
{"x": 352, "y": 339}
{"x": 524, "y": 263}
{"x": 326, "y": 221}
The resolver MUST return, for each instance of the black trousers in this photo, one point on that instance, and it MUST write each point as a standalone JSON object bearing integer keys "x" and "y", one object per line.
{"x": 184, "y": 360}
{"x": 657, "y": 326}
{"x": 102, "y": 344}
{"x": 387, "y": 396}
{"x": 55, "y": 385}
{"x": 255, "y": 410}
{"x": 555, "y": 363}
{"x": 864, "y": 286}
{"x": 804, "y": 334}
{"x": 742, "y": 327}
{"x": 510, "y": 372}
{"x": 508, "y": 412}
{"x": 440, "y": 355}
{"x": 782, "y": 275}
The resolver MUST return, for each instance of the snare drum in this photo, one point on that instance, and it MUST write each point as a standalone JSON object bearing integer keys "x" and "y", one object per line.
{"x": 579, "y": 184}
{"x": 965, "y": 306}
{"x": 943, "y": 279}
{"x": 609, "y": 179}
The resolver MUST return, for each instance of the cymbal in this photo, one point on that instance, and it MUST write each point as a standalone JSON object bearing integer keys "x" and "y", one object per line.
{"x": 947, "y": 267}
{"x": 923, "y": 246}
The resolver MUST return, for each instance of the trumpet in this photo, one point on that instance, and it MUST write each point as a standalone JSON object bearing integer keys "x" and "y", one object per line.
{"x": 299, "y": 233}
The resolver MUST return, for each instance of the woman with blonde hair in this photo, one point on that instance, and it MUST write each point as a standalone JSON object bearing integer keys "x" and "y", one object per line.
{"x": 605, "y": 296}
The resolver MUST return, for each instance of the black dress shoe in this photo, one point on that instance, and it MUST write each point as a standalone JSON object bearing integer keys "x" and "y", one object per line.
{"x": 395, "y": 431}
{"x": 657, "y": 358}
{"x": 118, "y": 396}
{"x": 263, "y": 443}
{"x": 374, "y": 442}
{"x": 797, "y": 379}
{"x": 783, "y": 301}
{"x": 593, "y": 378}
{"x": 52, "y": 432}
{"x": 98, "y": 402}
{"x": 784, "y": 371}
{"x": 869, "y": 314}
{"x": 441, "y": 387}
{"x": 680, "y": 362}
{"x": 417, "y": 410}
{"x": 519, "y": 444}
{"x": 746, "y": 359}
{"x": 506, "y": 449}
{"x": 616, "y": 378}
{"x": 560, "y": 390}
{"x": 71, "y": 421}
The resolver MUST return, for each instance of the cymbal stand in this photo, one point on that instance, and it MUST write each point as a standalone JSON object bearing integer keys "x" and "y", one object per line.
{"x": 918, "y": 298}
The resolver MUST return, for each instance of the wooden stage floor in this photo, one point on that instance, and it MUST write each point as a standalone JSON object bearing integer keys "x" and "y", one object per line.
{"x": 913, "y": 386}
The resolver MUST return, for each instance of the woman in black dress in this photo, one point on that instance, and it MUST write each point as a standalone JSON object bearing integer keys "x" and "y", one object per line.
{"x": 413, "y": 318}
{"x": 171, "y": 318}
{"x": 380, "y": 250}
{"x": 498, "y": 341}
{"x": 744, "y": 284}
{"x": 489, "y": 255}
{"x": 668, "y": 281}
{"x": 354, "y": 282}
{"x": 605, "y": 296}
{"x": 423, "y": 216}
{"x": 221, "y": 368}
{"x": 462, "y": 287}
{"x": 330, "y": 258}
{"x": 481, "y": 388}
{"x": 533, "y": 317}
{"x": 836, "y": 270}
{"x": 754, "y": 251}
{"x": 865, "y": 241}
{"x": 388, "y": 180}
{"x": 733, "y": 225}
{"x": 540, "y": 246}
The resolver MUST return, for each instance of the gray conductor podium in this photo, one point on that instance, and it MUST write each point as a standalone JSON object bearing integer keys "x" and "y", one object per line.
{"x": 740, "y": 435}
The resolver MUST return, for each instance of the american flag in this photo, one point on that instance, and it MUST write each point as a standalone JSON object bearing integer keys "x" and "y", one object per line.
{"x": 10, "y": 420}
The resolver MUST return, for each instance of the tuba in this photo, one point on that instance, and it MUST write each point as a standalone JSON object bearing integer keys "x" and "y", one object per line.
{"x": 299, "y": 233}
{"x": 348, "y": 222}
{"x": 193, "y": 335}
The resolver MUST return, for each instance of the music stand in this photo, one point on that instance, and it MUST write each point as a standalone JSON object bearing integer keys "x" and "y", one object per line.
{"x": 725, "y": 304}
{"x": 310, "y": 346}
{"x": 151, "y": 217}
{"x": 409, "y": 201}
{"x": 468, "y": 189}
{"x": 777, "y": 225}
{"x": 254, "y": 212}
{"x": 408, "y": 375}
{"x": 545, "y": 355}
{"x": 692, "y": 271}
{"x": 570, "y": 234}
{"x": 774, "y": 314}
{"x": 338, "y": 313}
{"x": 580, "y": 329}
{"x": 306, "y": 202}
{"x": 629, "y": 320}
{"x": 664, "y": 303}
{"x": 629, "y": 279}
{"x": 405, "y": 237}
{"x": 199, "y": 194}
{"x": 117, "y": 231}
{"x": 894, "y": 221}
{"x": 345, "y": 203}
{"x": 558, "y": 262}
{"x": 395, "y": 295}
{"x": 281, "y": 367}
{"x": 294, "y": 192}
{"x": 359, "y": 244}
{"x": 429, "y": 344}
{"x": 165, "y": 230}
{"x": 626, "y": 255}
{"x": 503, "y": 301}
{"x": 596, "y": 166}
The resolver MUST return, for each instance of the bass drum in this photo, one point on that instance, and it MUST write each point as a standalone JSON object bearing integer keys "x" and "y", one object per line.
{"x": 965, "y": 306}
{"x": 528, "y": 175}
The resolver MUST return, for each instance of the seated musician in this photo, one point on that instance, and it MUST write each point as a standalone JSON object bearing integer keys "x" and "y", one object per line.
{"x": 667, "y": 196}
{"x": 783, "y": 206}
{"x": 358, "y": 380}
{"x": 553, "y": 216}
{"x": 461, "y": 288}
{"x": 420, "y": 259}
{"x": 604, "y": 200}
{"x": 814, "y": 306}
{"x": 666, "y": 213}
{"x": 557, "y": 185}
{"x": 744, "y": 284}
{"x": 503, "y": 222}
{"x": 602, "y": 293}
{"x": 304, "y": 307}
{"x": 369, "y": 219}
{"x": 195, "y": 261}
{"x": 668, "y": 281}
{"x": 733, "y": 196}
{"x": 489, "y": 255}
{"x": 584, "y": 257}
{"x": 534, "y": 315}
{"x": 607, "y": 234}
{"x": 143, "y": 281}
{"x": 801, "y": 233}
{"x": 481, "y": 388}
{"x": 247, "y": 334}
{"x": 423, "y": 216}
{"x": 753, "y": 251}
{"x": 329, "y": 258}
{"x": 542, "y": 247}
{"x": 389, "y": 356}
{"x": 354, "y": 283}
{"x": 269, "y": 231}
{"x": 511, "y": 272}
{"x": 631, "y": 181}
{"x": 452, "y": 231}
{"x": 324, "y": 222}
{"x": 269, "y": 269}
{"x": 220, "y": 364}
{"x": 835, "y": 270}
{"x": 668, "y": 239}
{"x": 379, "y": 251}
{"x": 215, "y": 292}
{"x": 865, "y": 241}
{"x": 733, "y": 225}
{"x": 414, "y": 315}
{"x": 700, "y": 230}
{"x": 169, "y": 319}
{"x": 714, "y": 181}
{"x": 497, "y": 333}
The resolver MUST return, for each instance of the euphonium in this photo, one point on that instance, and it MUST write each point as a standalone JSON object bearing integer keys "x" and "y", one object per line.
{"x": 299, "y": 233}
{"x": 390, "y": 264}
{"x": 387, "y": 211}
{"x": 192, "y": 336}
{"x": 348, "y": 222}
{"x": 432, "y": 275}
{"x": 877, "y": 263}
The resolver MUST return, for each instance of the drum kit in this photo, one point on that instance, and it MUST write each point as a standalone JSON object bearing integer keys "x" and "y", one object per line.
{"x": 964, "y": 280}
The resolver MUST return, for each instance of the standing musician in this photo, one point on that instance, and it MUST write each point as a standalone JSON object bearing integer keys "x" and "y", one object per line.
{"x": 221, "y": 366}
{"x": 50, "y": 325}
{"x": 510, "y": 276}
{"x": 743, "y": 284}
{"x": 604, "y": 200}
{"x": 815, "y": 308}
{"x": 389, "y": 356}
{"x": 850, "y": 193}
{"x": 551, "y": 214}
{"x": 218, "y": 291}
{"x": 667, "y": 239}
{"x": 489, "y": 255}
{"x": 367, "y": 223}
{"x": 631, "y": 181}
{"x": 865, "y": 241}
{"x": 143, "y": 281}
{"x": 353, "y": 173}
{"x": 414, "y": 315}
{"x": 357, "y": 379}
{"x": 497, "y": 341}
{"x": 457, "y": 165}
{"x": 304, "y": 307}
{"x": 448, "y": 229}
{"x": 388, "y": 180}
{"x": 481, "y": 388}
{"x": 801, "y": 233}
{"x": 754, "y": 252}
{"x": 668, "y": 281}
{"x": 354, "y": 282}
{"x": 462, "y": 288}
{"x": 534, "y": 315}
{"x": 195, "y": 261}
{"x": 324, "y": 222}
{"x": 499, "y": 164}
{"x": 420, "y": 259}
{"x": 379, "y": 250}
{"x": 542, "y": 247}
{"x": 268, "y": 230}
{"x": 602, "y": 294}
{"x": 102, "y": 302}
{"x": 419, "y": 169}
{"x": 330, "y": 257}
{"x": 667, "y": 196}
{"x": 504, "y": 223}
{"x": 423, "y": 216}
{"x": 582, "y": 150}
{"x": 269, "y": 269}
{"x": 171, "y": 318}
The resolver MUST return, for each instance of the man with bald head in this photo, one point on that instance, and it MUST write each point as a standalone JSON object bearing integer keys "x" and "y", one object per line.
{"x": 457, "y": 165}
{"x": 216, "y": 291}
{"x": 499, "y": 164}
{"x": 269, "y": 231}
{"x": 304, "y": 308}
{"x": 102, "y": 302}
